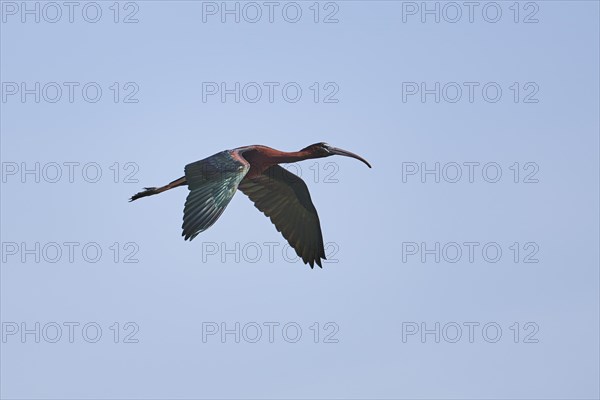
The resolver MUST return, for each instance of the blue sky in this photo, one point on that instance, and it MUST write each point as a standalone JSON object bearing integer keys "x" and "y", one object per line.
{"x": 483, "y": 136}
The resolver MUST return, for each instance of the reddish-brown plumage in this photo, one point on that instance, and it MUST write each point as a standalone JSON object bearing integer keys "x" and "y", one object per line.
{"x": 261, "y": 158}
{"x": 279, "y": 194}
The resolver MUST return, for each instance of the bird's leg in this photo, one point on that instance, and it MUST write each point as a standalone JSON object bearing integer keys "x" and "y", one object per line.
{"x": 149, "y": 191}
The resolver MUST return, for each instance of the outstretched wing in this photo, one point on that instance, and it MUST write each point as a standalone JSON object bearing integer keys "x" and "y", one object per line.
{"x": 212, "y": 183}
{"x": 284, "y": 198}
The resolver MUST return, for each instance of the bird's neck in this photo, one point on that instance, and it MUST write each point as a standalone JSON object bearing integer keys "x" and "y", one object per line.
{"x": 294, "y": 156}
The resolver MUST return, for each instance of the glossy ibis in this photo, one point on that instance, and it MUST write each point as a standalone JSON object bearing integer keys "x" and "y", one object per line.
{"x": 279, "y": 194}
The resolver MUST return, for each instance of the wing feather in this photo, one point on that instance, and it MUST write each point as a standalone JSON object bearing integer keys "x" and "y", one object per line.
{"x": 212, "y": 183}
{"x": 284, "y": 198}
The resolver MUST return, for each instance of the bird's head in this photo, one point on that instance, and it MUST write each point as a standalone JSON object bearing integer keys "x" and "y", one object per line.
{"x": 323, "y": 149}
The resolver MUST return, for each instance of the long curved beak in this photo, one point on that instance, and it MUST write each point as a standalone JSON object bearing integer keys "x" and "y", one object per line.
{"x": 342, "y": 152}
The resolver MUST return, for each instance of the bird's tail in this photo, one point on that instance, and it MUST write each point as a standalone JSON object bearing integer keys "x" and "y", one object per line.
{"x": 149, "y": 191}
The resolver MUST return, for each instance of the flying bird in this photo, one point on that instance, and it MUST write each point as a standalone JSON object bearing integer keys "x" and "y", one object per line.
{"x": 276, "y": 192}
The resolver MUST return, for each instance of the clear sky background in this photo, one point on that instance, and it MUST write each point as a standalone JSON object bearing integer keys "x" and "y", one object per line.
{"x": 379, "y": 291}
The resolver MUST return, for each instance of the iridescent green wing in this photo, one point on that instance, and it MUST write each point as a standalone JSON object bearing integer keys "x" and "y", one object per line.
{"x": 212, "y": 183}
{"x": 284, "y": 198}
